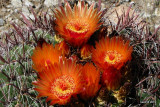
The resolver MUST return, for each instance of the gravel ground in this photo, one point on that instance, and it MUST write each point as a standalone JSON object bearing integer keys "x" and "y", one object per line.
{"x": 9, "y": 9}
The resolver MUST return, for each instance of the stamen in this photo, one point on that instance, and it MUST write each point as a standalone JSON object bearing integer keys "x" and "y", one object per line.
{"x": 63, "y": 87}
{"x": 77, "y": 26}
{"x": 112, "y": 57}
{"x": 47, "y": 62}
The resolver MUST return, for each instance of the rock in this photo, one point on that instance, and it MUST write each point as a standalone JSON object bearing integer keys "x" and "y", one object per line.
{"x": 25, "y": 11}
{"x": 16, "y": 3}
{"x": 132, "y": 3}
{"x": 28, "y": 3}
{"x": 1, "y": 22}
{"x": 9, "y": 19}
{"x": 50, "y": 3}
{"x": 112, "y": 16}
{"x": 157, "y": 12}
{"x": 127, "y": 0}
{"x": 103, "y": 5}
{"x": 32, "y": 16}
{"x": 151, "y": 12}
{"x": 3, "y": 10}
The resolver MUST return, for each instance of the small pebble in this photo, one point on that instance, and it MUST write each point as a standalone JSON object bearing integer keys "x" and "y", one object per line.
{"x": 1, "y": 22}
{"x": 132, "y": 2}
{"x": 16, "y": 3}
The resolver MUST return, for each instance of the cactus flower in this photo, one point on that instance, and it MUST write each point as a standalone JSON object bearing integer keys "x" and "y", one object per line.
{"x": 111, "y": 52}
{"x": 59, "y": 82}
{"x": 78, "y": 24}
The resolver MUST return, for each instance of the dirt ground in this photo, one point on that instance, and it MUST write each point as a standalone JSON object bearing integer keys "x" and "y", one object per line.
{"x": 9, "y": 10}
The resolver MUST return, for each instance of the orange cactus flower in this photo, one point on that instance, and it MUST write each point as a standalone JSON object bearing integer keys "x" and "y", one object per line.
{"x": 63, "y": 47}
{"x": 111, "y": 52}
{"x": 78, "y": 24}
{"x": 44, "y": 55}
{"x": 86, "y": 51}
{"x": 92, "y": 77}
{"x": 111, "y": 78}
{"x": 59, "y": 82}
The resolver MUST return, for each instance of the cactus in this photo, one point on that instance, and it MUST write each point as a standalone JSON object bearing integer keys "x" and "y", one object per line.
{"x": 141, "y": 77}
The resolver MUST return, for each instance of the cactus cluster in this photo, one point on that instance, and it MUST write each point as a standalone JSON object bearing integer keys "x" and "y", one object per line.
{"x": 76, "y": 57}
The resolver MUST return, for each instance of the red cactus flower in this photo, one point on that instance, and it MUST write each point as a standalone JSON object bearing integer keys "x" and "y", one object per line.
{"x": 59, "y": 82}
{"x": 86, "y": 51}
{"x": 78, "y": 24}
{"x": 63, "y": 47}
{"x": 111, "y": 77}
{"x": 111, "y": 52}
{"x": 44, "y": 55}
{"x": 92, "y": 77}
